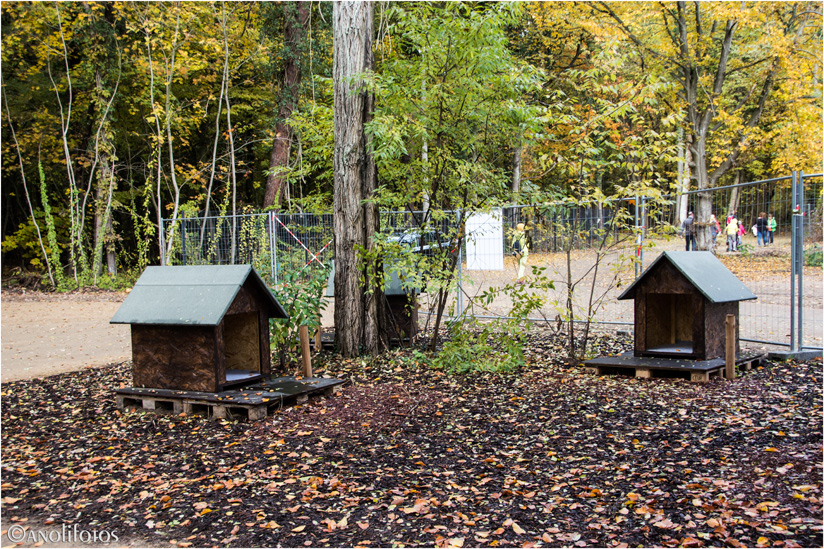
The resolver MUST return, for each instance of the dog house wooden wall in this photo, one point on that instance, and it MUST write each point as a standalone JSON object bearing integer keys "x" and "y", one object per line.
{"x": 199, "y": 328}
{"x": 681, "y": 303}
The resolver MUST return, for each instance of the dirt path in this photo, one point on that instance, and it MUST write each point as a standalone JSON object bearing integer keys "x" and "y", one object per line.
{"x": 44, "y": 334}
{"x": 47, "y": 333}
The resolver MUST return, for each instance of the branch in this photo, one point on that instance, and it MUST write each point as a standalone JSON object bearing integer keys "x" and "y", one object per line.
{"x": 25, "y": 185}
{"x": 606, "y": 9}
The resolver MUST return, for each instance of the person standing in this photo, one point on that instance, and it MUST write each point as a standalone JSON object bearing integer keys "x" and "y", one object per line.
{"x": 732, "y": 234}
{"x": 715, "y": 229}
{"x": 520, "y": 249}
{"x": 687, "y": 228}
{"x": 772, "y": 225}
{"x": 761, "y": 229}
{"x": 741, "y": 231}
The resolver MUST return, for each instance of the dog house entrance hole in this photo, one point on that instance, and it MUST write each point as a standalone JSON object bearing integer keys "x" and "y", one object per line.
{"x": 670, "y": 319}
{"x": 242, "y": 343}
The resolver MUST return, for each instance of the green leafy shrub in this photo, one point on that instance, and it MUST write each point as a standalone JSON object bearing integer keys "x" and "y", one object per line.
{"x": 496, "y": 345}
{"x": 301, "y": 295}
{"x": 814, "y": 257}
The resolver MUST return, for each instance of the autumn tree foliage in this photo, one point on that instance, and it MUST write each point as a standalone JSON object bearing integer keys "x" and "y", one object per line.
{"x": 731, "y": 63}
{"x": 139, "y": 112}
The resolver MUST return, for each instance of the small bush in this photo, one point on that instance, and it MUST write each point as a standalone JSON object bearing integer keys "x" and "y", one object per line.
{"x": 814, "y": 257}
{"x": 497, "y": 345}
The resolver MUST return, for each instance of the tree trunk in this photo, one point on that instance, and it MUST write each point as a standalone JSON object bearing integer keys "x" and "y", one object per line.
{"x": 516, "y": 168}
{"x": 296, "y": 17}
{"x": 684, "y": 161}
{"x": 357, "y": 312}
{"x": 703, "y": 202}
{"x": 111, "y": 256}
{"x": 735, "y": 195}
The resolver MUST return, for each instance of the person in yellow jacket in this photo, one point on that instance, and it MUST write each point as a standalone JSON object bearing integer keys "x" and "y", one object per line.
{"x": 732, "y": 234}
{"x": 520, "y": 249}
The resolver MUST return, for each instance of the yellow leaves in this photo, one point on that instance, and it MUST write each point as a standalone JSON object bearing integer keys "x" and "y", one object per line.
{"x": 764, "y": 506}
{"x": 299, "y": 529}
{"x": 770, "y": 449}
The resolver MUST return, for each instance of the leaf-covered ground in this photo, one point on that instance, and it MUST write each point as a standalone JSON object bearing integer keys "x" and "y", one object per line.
{"x": 406, "y": 456}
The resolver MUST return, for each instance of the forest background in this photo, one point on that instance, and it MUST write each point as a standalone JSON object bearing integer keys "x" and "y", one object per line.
{"x": 118, "y": 114}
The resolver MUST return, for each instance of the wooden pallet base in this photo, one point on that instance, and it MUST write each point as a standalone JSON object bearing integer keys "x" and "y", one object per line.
{"x": 250, "y": 403}
{"x": 644, "y": 367}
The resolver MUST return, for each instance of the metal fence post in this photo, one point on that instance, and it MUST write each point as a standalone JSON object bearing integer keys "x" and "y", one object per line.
{"x": 162, "y": 242}
{"x": 460, "y": 270}
{"x": 800, "y": 246}
{"x": 637, "y": 240}
{"x": 275, "y": 240}
{"x": 794, "y": 261}
{"x": 272, "y": 249}
{"x": 183, "y": 235}
{"x": 643, "y": 233}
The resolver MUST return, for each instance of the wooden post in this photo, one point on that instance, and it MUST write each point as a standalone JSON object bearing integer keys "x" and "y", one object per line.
{"x": 730, "y": 347}
{"x": 303, "y": 331}
{"x": 317, "y": 336}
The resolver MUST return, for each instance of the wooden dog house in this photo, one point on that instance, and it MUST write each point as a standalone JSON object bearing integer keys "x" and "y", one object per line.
{"x": 681, "y": 303}
{"x": 199, "y": 328}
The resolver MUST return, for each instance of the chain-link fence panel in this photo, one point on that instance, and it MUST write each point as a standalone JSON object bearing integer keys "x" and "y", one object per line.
{"x": 591, "y": 252}
{"x": 811, "y": 333}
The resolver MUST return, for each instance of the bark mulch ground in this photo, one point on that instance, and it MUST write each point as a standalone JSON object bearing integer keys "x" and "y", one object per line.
{"x": 409, "y": 456}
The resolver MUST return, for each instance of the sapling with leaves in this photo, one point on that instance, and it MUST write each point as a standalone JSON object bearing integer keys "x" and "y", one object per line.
{"x": 610, "y": 241}
{"x": 450, "y": 106}
{"x": 497, "y": 345}
{"x": 301, "y": 293}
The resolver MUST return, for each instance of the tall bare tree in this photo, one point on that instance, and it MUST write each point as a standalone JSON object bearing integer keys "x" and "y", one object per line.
{"x": 358, "y": 313}
{"x": 296, "y": 17}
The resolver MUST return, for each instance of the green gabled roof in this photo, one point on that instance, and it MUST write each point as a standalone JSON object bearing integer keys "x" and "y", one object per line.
{"x": 190, "y": 295}
{"x": 705, "y": 272}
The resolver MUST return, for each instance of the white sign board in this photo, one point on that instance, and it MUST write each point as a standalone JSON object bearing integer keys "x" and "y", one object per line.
{"x": 485, "y": 241}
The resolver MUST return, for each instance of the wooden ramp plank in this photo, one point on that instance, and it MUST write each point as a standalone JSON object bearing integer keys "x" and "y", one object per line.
{"x": 251, "y": 403}
{"x": 655, "y": 367}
